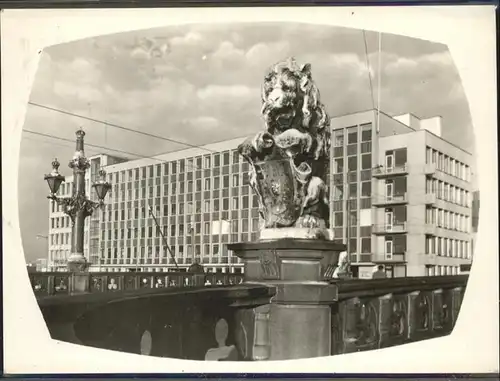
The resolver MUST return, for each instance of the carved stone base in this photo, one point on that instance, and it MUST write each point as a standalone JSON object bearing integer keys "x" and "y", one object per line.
{"x": 288, "y": 259}
{"x": 80, "y": 283}
{"x": 77, "y": 263}
{"x": 299, "y": 318}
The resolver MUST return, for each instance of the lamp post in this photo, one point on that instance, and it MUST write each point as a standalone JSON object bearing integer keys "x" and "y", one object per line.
{"x": 78, "y": 206}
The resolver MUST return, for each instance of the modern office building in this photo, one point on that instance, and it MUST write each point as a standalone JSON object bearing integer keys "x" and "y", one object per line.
{"x": 400, "y": 196}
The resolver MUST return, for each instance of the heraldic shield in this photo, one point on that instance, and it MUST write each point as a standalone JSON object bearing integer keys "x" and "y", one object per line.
{"x": 279, "y": 191}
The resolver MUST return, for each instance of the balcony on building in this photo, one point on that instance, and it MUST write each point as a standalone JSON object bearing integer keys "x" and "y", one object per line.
{"x": 395, "y": 199}
{"x": 430, "y": 168}
{"x": 430, "y": 198}
{"x": 395, "y": 228}
{"x": 389, "y": 258}
{"x": 430, "y": 229}
{"x": 384, "y": 172}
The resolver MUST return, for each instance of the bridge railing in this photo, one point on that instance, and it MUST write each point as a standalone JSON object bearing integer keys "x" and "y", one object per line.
{"x": 61, "y": 283}
{"x": 182, "y": 322}
{"x": 380, "y": 313}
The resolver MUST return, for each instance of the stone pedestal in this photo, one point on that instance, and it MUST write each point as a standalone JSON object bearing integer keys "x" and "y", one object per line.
{"x": 80, "y": 283}
{"x": 298, "y": 324}
{"x": 77, "y": 263}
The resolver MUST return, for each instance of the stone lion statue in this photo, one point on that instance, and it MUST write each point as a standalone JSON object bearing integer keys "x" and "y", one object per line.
{"x": 297, "y": 135}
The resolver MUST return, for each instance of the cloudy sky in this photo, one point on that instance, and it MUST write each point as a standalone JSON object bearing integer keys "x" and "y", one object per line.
{"x": 199, "y": 84}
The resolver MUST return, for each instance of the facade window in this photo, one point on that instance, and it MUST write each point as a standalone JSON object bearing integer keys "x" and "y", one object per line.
{"x": 366, "y": 245}
{"x": 338, "y": 219}
{"x": 338, "y": 192}
{"x": 366, "y": 189}
{"x": 353, "y": 190}
{"x": 338, "y": 166}
{"x": 366, "y": 161}
{"x": 338, "y": 138}
{"x": 352, "y": 135}
{"x": 366, "y": 132}
{"x": 236, "y": 181}
{"x": 352, "y": 163}
{"x": 206, "y": 206}
{"x": 236, "y": 157}
{"x": 235, "y": 203}
{"x": 244, "y": 227}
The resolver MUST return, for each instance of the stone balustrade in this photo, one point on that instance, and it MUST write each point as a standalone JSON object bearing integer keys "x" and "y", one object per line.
{"x": 60, "y": 283}
{"x": 233, "y": 322}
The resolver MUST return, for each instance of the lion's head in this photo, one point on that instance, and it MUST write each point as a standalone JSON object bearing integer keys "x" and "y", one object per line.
{"x": 290, "y": 99}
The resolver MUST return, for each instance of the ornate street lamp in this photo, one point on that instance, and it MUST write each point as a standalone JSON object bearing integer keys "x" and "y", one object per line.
{"x": 78, "y": 206}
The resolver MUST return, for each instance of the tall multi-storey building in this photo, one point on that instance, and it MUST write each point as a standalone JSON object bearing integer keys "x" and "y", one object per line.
{"x": 400, "y": 196}
{"x": 185, "y": 205}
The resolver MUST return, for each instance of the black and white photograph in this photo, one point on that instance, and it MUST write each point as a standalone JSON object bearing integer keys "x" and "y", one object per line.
{"x": 249, "y": 191}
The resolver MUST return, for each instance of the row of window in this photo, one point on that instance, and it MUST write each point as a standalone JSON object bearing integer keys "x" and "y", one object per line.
{"x": 60, "y": 222}
{"x": 176, "y": 167}
{"x": 219, "y": 227}
{"x": 66, "y": 189}
{"x": 447, "y": 192}
{"x": 64, "y": 239}
{"x": 441, "y": 270}
{"x": 179, "y": 209}
{"x": 182, "y": 241}
{"x": 447, "y": 220}
{"x": 447, "y": 247}
{"x": 235, "y": 270}
{"x": 211, "y": 181}
{"x": 447, "y": 164}
{"x": 352, "y": 163}
{"x": 353, "y": 135}
{"x": 178, "y": 251}
{"x": 61, "y": 256}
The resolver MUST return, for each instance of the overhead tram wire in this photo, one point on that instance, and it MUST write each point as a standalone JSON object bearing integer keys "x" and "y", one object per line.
{"x": 155, "y": 157}
{"x": 93, "y": 145}
{"x": 139, "y": 156}
{"x": 117, "y": 126}
{"x": 106, "y": 124}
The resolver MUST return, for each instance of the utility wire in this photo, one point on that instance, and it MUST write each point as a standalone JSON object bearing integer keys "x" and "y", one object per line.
{"x": 91, "y": 145}
{"x": 104, "y": 148}
{"x": 106, "y": 123}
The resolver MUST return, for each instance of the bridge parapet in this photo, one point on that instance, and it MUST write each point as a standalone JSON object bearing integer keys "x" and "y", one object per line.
{"x": 232, "y": 322}
{"x": 381, "y": 313}
{"x": 60, "y": 283}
